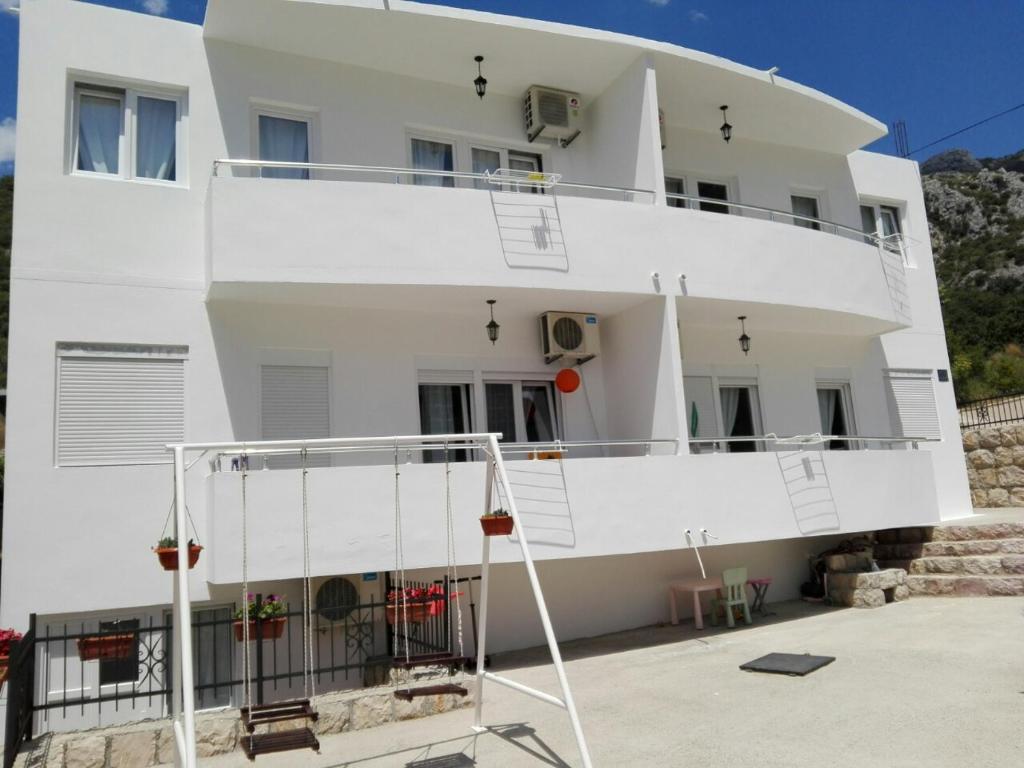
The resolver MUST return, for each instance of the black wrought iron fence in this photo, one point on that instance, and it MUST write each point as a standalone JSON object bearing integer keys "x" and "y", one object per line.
{"x": 990, "y": 411}
{"x": 73, "y": 673}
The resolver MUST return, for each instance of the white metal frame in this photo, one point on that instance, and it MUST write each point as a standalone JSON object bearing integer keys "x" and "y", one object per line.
{"x": 182, "y": 682}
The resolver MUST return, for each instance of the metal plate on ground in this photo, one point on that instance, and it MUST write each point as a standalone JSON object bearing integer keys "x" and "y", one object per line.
{"x": 794, "y": 664}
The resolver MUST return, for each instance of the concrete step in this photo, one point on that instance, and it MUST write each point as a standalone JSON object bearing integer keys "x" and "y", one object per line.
{"x": 974, "y": 565}
{"x": 949, "y": 533}
{"x": 949, "y": 549}
{"x": 965, "y": 586}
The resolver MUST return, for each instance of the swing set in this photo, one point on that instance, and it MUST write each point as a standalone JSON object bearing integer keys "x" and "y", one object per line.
{"x": 302, "y": 710}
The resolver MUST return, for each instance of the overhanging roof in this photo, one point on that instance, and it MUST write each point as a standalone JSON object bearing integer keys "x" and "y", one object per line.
{"x": 438, "y": 44}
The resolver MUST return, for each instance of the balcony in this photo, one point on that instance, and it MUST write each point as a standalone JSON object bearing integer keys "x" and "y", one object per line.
{"x": 358, "y": 225}
{"x": 576, "y": 507}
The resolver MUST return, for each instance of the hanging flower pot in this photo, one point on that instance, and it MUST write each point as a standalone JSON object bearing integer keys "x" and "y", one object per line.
{"x": 497, "y": 523}
{"x": 268, "y": 629}
{"x": 119, "y": 646}
{"x": 415, "y": 604}
{"x": 4, "y": 663}
{"x": 167, "y": 553}
{"x": 413, "y": 613}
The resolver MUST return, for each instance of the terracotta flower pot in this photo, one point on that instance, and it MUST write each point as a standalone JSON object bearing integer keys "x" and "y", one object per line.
{"x": 270, "y": 629}
{"x": 415, "y": 612}
{"x": 4, "y": 662}
{"x": 496, "y": 525}
{"x": 119, "y": 646}
{"x": 168, "y": 556}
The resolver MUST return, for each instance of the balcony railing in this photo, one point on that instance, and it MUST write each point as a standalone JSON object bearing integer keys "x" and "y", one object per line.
{"x": 773, "y": 442}
{"x": 894, "y": 242}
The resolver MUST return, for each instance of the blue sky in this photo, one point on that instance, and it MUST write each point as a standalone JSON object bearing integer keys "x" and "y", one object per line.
{"x": 939, "y": 65}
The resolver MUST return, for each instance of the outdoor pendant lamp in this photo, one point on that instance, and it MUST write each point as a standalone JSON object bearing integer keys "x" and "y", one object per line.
{"x": 744, "y": 339}
{"x": 481, "y": 82}
{"x": 492, "y": 327}
{"x": 726, "y": 128}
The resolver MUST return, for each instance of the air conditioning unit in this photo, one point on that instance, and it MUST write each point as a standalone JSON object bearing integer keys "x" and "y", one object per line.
{"x": 552, "y": 114}
{"x": 569, "y": 334}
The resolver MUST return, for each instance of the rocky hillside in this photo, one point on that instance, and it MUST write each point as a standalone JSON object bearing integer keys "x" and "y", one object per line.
{"x": 976, "y": 213}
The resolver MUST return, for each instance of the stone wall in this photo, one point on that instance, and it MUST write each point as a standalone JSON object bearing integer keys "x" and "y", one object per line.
{"x": 151, "y": 743}
{"x": 995, "y": 465}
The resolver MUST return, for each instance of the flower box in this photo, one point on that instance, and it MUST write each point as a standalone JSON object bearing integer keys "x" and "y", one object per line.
{"x": 119, "y": 646}
{"x": 269, "y": 629}
{"x": 168, "y": 556}
{"x": 4, "y": 663}
{"x": 414, "y": 613}
{"x": 497, "y": 525}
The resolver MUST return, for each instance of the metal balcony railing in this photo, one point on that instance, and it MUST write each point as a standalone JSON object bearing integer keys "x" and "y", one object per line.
{"x": 816, "y": 441}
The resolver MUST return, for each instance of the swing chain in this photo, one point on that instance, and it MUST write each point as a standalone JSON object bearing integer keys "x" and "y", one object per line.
{"x": 246, "y": 655}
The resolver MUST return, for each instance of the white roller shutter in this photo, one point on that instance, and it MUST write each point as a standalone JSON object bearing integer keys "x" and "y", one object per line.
{"x": 912, "y": 402}
{"x": 118, "y": 410}
{"x": 294, "y": 405}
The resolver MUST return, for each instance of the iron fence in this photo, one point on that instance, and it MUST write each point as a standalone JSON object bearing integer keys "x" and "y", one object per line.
{"x": 990, "y": 411}
{"x": 73, "y": 673}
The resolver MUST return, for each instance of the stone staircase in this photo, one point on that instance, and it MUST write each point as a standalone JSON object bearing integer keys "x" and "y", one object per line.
{"x": 957, "y": 560}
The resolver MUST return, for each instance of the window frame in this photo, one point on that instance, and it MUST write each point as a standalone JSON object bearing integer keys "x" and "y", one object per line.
{"x": 517, "y": 399}
{"x": 753, "y": 387}
{"x": 847, "y": 403}
{"x": 820, "y": 204}
{"x": 900, "y": 210}
{"x": 466, "y": 394}
{"x": 128, "y": 95}
{"x": 308, "y": 115}
{"x": 435, "y": 138}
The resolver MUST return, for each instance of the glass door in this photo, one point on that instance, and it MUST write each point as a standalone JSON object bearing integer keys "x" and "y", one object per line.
{"x": 444, "y": 410}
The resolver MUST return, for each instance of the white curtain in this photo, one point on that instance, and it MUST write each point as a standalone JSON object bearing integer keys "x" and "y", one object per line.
{"x": 432, "y": 156}
{"x": 99, "y": 134}
{"x": 730, "y": 407}
{"x": 439, "y": 409}
{"x": 157, "y": 121}
{"x": 828, "y": 401}
{"x": 285, "y": 141}
{"x": 485, "y": 160}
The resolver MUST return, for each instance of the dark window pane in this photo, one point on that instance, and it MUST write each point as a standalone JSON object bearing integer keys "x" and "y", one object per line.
{"x": 443, "y": 411}
{"x": 715, "y": 192}
{"x": 501, "y": 414}
{"x": 124, "y": 670}
{"x": 538, "y": 413}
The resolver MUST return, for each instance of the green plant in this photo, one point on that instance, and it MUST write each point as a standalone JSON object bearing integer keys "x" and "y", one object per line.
{"x": 268, "y": 607}
{"x": 171, "y": 542}
{"x": 496, "y": 513}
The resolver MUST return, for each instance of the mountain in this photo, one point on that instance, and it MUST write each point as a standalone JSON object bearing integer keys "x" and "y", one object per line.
{"x": 976, "y": 216}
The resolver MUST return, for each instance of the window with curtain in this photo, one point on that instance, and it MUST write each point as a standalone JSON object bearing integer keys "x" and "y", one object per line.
{"x": 501, "y": 412}
{"x": 444, "y": 410}
{"x": 538, "y": 413}
{"x": 109, "y": 120}
{"x": 740, "y": 416}
{"x": 534, "y": 420}
{"x": 485, "y": 161}
{"x": 100, "y": 132}
{"x": 832, "y": 410}
{"x": 431, "y": 155}
{"x": 156, "y": 146}
{"x": 283, "y": 140}
{"x": 805, "y": 206}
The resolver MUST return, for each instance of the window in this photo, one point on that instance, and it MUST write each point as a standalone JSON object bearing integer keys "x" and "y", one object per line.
{"x": 488, "y": 159}
{"x": 885, "y": 221}
{"x": 445, "y": 410}
{"x": 118, "y": 404}
{"x": 285, "y": 140}
{"x": 522, "y": 411}
{"x": 835, "y": 411}
{"x": 294, "y": 404}
{"x": 912, "y": 404}
{"x": 126, "y": 133}
{"x": 741, "y": 415}
{"x": 714, "y": 191}
{"x": 806, "y": 207}
{"x": 675, "y": 186}
{"x": 431, "y": 155}
{"x": 120, "y": 670}
{"x": 485, "y": 161}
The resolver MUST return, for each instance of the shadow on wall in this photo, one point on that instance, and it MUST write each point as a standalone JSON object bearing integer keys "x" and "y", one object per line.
{"x": 810, "y": 492}
{"x": 530, "y": 230}
{"x": 542, "y": 499}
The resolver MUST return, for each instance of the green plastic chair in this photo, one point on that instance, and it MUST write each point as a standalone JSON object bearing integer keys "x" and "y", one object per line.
{"x": 734, "y": 588}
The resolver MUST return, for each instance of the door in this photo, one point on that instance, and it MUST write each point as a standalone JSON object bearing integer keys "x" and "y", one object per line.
{"x": 444, "y": 410}
{"x": 715, "y": 191}
{"x": 522, "y": 411}
{"x": 836, "y": 414}
{"x": 524, "y": 161}
{"x": 741, "y": 416}
{"x": 806, "y": 207}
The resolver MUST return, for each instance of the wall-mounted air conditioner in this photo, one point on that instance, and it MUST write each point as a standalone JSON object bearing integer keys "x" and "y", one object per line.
{"x": 569, "y": 334}
{"x": 552, "y": 114}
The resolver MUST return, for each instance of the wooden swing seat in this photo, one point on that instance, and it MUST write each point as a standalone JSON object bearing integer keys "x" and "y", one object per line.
{"x": 279, "y": 712}
{"x": 280, "y": 741}
{"x": 442, "y": 659}
{"x": 408, "y": 694}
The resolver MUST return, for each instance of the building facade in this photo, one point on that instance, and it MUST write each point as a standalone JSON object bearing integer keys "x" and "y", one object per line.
{"x": 171, "y": 282}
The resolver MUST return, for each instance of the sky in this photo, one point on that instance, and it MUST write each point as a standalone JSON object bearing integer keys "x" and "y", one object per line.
{"x": 938, "y": 65}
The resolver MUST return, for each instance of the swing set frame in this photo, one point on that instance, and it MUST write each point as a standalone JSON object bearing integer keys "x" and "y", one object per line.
{"x": 183, "y": 705}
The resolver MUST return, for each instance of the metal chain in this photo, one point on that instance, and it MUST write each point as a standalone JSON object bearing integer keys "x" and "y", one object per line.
{"x": 400, "y": 559}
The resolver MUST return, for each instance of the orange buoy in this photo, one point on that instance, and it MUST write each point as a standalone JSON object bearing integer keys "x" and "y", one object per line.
{"x": 567, "y": 380}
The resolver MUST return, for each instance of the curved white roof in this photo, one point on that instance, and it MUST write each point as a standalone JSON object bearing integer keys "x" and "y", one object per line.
{"x": 438, "y": 43}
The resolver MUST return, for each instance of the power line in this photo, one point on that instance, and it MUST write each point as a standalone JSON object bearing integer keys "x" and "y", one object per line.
{"x": 969, "y": 127}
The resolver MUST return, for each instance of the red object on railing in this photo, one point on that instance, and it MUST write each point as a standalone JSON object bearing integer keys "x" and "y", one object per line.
{"x": 119, "y": 646}
{"x": 168, "y": 556}
{"x": 269, "y": 629}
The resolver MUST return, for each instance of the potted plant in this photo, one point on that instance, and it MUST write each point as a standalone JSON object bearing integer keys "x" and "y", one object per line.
{"x": 415, "y": 604}
{"x": 269, "y": 611}
{"x": 117, "y": 645}
{"x": 167, "y": 552}
{"x": 497, "y": 523}
{"x": 7, "y": 636}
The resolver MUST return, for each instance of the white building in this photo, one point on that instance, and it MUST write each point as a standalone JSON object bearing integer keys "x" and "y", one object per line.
{"x": 163, "y": 291}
